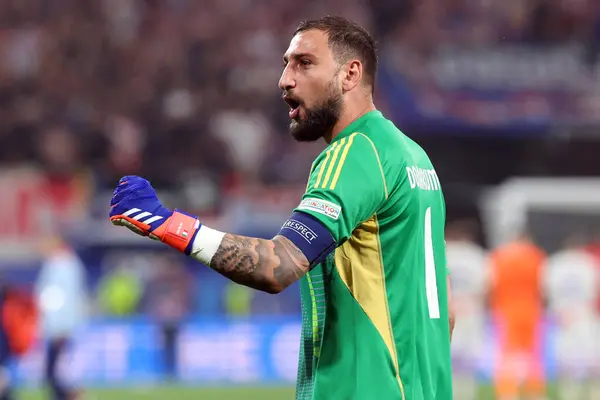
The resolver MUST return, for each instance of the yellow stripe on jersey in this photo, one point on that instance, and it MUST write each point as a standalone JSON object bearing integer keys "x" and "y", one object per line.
{"x": 327, "y": 154}
{"x": 332, "y": 162}
{"x": 360, "y": 265}
{"x": 378, "y": 162}
{"x": 341, "y": 163}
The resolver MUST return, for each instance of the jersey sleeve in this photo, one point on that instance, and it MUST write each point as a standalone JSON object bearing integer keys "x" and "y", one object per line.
{"x": 346, "y": 186}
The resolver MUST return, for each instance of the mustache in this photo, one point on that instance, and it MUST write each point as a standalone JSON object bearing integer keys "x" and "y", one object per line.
{"x": 288, "y": 96}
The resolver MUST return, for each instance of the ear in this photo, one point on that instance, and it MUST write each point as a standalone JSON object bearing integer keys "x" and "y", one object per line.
{"x": 352, "y": 75}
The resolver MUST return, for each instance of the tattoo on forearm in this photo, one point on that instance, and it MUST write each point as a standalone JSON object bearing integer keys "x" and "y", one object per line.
{"x": 269, "y": 265}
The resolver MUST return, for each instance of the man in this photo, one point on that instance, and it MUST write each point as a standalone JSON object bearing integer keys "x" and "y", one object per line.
{"x": 61, "y": 297}
{"x": 469, "y": 275}
{"x": 168, "y": 300}
{"x": 366, "y": 240}
{"x": 571, "y": 285}
{"x": 516, "y": 300}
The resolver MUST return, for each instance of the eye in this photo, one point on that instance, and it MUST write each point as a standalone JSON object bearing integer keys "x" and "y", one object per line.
{"x": 305, "y": 62}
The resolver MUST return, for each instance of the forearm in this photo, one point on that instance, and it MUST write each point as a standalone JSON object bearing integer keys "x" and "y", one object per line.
{"x": 267, "y": 265}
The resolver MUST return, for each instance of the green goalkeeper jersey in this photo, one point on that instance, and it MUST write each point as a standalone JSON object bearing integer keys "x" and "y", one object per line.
{"x": 375, "y": 312}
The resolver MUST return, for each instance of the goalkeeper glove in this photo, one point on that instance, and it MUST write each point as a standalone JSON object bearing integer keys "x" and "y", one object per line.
{"x": 136, "y": 206}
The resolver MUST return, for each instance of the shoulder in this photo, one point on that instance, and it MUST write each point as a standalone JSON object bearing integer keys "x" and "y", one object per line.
{"x": 394, "y": 148}
{"x": 382, "y": 132}
{"x": 358, "y": 146}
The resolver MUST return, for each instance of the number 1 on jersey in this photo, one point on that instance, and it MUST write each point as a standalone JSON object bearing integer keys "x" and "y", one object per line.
{"x": 430, "y": 276}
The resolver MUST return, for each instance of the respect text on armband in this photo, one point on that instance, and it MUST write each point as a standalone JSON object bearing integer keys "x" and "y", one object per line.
{"x": 301, "y": 229}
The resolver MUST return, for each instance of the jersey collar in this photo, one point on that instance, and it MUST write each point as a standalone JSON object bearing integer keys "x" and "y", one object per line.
{"x": 350, "y": 129}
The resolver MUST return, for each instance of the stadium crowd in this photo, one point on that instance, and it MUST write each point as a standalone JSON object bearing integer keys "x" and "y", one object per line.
{"x": 116, "y": 85}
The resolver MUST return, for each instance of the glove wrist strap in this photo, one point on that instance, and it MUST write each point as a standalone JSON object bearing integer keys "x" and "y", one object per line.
{"x": 180, "y": 230}
{"x": 205, "y": 244}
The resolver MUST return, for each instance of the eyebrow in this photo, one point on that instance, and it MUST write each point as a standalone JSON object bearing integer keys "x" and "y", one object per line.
{"x": 296, "y": 56}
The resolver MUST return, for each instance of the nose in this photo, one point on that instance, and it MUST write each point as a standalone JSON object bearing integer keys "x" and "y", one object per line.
{"x": 287, "y": 81}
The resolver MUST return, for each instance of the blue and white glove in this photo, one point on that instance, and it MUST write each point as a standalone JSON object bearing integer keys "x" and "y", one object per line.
{"x": 136, "y": 206}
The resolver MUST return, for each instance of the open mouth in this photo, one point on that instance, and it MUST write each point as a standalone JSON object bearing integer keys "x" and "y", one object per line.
{"x": 294, "y": 106}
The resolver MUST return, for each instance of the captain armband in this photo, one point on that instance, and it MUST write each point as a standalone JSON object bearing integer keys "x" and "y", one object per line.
{"x": 310, "y": 236}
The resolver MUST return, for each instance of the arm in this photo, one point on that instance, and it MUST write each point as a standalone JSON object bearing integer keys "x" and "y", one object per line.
{"x": 327, "y": 215}
{"x": 451, "y": 313}
{"x": 317, "y": 225}
{"x": 268, "y": 265}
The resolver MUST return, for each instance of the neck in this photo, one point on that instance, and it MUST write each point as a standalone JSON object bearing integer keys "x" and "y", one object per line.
{"x": 349, "y": 115}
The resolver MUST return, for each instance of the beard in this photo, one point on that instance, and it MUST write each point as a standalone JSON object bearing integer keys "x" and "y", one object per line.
{"x": 317, "y": 121}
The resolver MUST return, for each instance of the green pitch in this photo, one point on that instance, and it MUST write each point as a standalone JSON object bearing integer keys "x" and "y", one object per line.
{"x": 176, "y": 392}
{"x": 192, "y": 393}
{"x": 189, "y": 393}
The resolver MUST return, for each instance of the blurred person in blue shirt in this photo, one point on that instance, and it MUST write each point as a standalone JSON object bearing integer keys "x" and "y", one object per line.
{"x": 62, "y": 301}
{"x": 168, "y": 301}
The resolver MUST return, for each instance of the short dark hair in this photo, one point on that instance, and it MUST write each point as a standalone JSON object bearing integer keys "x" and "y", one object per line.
{"x": 346, "y": 40}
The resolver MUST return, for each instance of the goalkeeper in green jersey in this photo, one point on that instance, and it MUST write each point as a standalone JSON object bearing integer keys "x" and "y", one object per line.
{"x": 366, "y": 240}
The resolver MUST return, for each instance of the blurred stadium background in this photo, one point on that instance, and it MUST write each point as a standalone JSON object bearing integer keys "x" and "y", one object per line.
{"x": 504, "y": 95}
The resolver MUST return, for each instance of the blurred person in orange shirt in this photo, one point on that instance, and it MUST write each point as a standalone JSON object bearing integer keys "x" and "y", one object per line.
{"x": 18, "y": 331}
{"x": 517, "y": 308}
{"x": 469, "y": 276}
{"x": 571, "y": 285}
